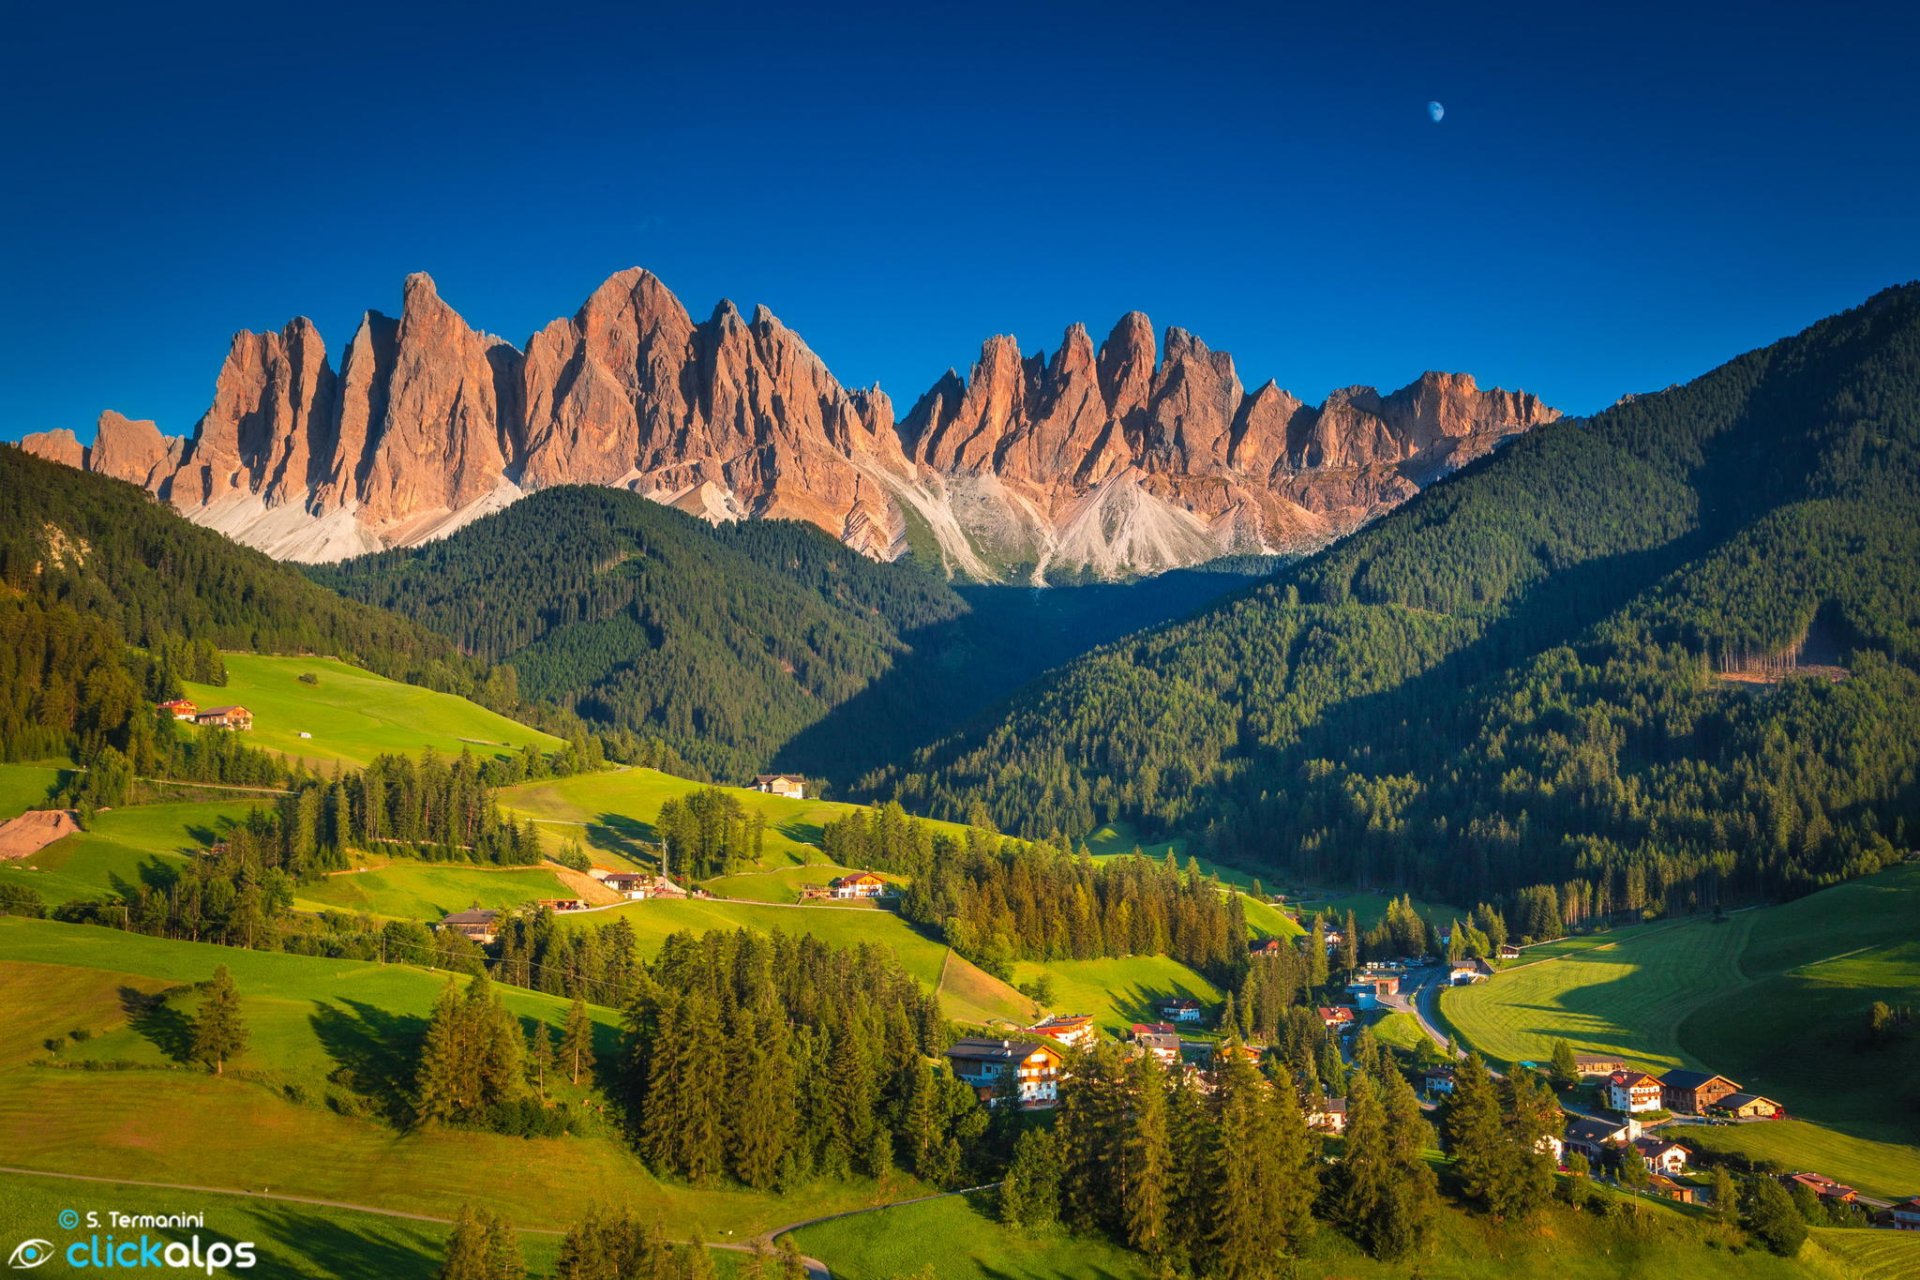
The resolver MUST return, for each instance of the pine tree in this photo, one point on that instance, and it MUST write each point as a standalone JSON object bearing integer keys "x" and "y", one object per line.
{"x": 1294, "y": 1167}
{"x": 540, "y": 1058}
{"x": 576, "y": 1045}
{"x": 1148, "y": 1157}
{"x": 1358, "y": 1185}
{"x": 437, "y": 1082}
{"x": 218, "y": 1031}
{"x": 1474, "y": 1134}
{"x": 1412, "y": 1199}
{"x": 1247, "y": 1229}
{"x": 1722, "y": 1194}
{"x": 1577, "y": 1186}
{"x": 1350, "y": 946}
{"x": 482, "y": 1247}
{"x": 1566, "y": 1071}
{"x": 1191, "y": 1134}
{"x": 1532, "y": 1117}
{"x": 1030, "y": 1191}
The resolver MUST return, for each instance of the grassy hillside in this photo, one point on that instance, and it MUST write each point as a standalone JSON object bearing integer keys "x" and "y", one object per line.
{"x": 978, "y": 998}
{"x": 27, "y": 786}
{"x": 613, "y": 812}
{"x": 961, "y": 1238}
{"x": 267, "y": 1122}
{"x": 1117, "y": 991}
{"x": 1775, "y": 998}
{"x": 429, "y": 890}
{"x": 354, "y": 714}
{"x": 130, "y": 846}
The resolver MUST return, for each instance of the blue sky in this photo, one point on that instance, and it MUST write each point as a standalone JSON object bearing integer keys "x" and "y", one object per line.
{"x": 1617, "y": 199}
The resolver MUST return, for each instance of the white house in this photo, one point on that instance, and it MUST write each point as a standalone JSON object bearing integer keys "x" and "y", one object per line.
{"x": 1631, "y": 1092}
{"x": 790, "y": 785}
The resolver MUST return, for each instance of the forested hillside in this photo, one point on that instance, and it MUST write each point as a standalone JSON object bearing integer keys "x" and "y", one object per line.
{"x": 1520, "y": 677}
{"x": 107, "y": 599}
{"x": 741, "y": 646}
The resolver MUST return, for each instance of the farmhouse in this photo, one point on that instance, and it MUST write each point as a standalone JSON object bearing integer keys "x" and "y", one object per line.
{"x": 1179, "y": 1009}
{"x": 1825, "y": 1188}
{"x": 1750, "y": 1106}
{"x": 477, "y": 924}
{"x": 1158, "y": 1039}
{"x": 1592, "y": 1138}
{"x": 861, "y": 884}
{"x": 1074, "y": 1030}
{"x": 790, "y": 785}
{"x": 635, "y": 886}
{"x": 1328, "y": 1115}
{"x": 1662, "y": 1156}
{"x": 1905, "y": 1216}
{"x": 1435, "y": 1081}
{"x": 1598, "y": 1064}
{"x": 225, "y": 718}
{"x": 1632, "y": 1091}
{"x": 1509, "y": 952}
{"x": 178, "y": 708}
{"x": 1467, "y": 972}
{"x": 1335, "y": 1017}
{"x": 1027, "y": 1071}
{"x": 563, "y": 904}
{"x": 1694, "y": 1091}
{"x": 1266, "y": 947}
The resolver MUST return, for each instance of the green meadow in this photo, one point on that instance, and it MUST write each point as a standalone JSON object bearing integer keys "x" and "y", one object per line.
{"x": 960, "y": 1238}
{"x": 140, "y": 844}
{"x": 1117, "y": 991}
{"x": 355, "y": 715}
{"x": 281, "y": 1119}
{"x": 28, "y": 786}
{"x": 1775, "y": 998}
{"x": 975, "y": 998}
{"x": 411, "y": 890}
{"x": 612, "y": 812}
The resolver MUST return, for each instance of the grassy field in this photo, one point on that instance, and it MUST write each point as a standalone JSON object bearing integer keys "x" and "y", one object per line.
{"x": 1626, "y": 996}
{"x": 781, "y": 884}
{"x": 27, "y": 786}
{"x": 428, "y": 890}
{"x": 1872, "y": 1255}
{"x": 247, "y": 1130}
{"x": 975, "y": 998}
{"x": 1774, "y": 998}
{"x": 355, "y": 715}
{"x": 310, "y": 1242}
{"x": 1118, "y": 992}
{"x": 1400, "y": 1030}
{"x": 961, "y": 1239}
{"x": 126, "y": 847}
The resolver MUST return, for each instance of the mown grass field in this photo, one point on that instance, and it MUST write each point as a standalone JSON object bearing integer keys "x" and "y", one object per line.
{"x": 782, "y": 884}
{"x": 1626, "y": 996}
{"x": 1872, "y": 1255}
{"x": 27, "y": 786}
{"x": 355, "y": 715}
{"x": 141, "y": 844}
{"x": 1400, "y": 1030}
{"x": 962, "y": 1239}
{"x": 1775, "y": 998}
{"x": 1117, "y": 991}
{"x": 154, "y": 1120}
{"x": 412, "y": 890}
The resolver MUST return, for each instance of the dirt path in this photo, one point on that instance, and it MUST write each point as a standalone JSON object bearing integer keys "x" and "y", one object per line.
{"x": 34, "y": 830}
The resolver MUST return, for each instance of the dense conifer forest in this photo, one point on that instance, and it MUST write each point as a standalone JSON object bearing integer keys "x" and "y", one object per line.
{"x": 1520, "y": 678}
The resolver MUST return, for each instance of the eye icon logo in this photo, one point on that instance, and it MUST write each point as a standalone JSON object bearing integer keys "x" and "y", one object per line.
{"x": 30, "y": 1254}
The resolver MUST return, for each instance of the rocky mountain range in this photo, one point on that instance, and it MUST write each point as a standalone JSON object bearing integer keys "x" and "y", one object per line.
{"x": 1127, "y": 459}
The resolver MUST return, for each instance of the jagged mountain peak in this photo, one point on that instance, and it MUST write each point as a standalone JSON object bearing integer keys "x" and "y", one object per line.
{"x": 1012, "y": 468}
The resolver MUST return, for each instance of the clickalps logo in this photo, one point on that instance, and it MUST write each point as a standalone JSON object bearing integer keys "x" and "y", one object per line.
{"x": 92, "y": 1249}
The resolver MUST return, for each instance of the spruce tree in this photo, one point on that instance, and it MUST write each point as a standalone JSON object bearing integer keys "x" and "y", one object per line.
{"x": 1722, "y": 1193}
{"x": 1247, "y": 1233}
{"x": 1148, "y": 1158}
{"x": 1350, "y": 946}
{"x": 1772, "y": 1219}
{"x": 1030, "y": 1191}
{"x": 1412, "y": 1198}
{"x": 1532, "y": 1117}
{"x": 1566, "y": 1071}
{"x": 540, "y": 1058}
{"x": 1357, "y": 1188}
{"x": 576, "y": 1046}
{"x": 218, "y": 1031}
{"x": 437, "y": 1081}
{"x": 1474, "y": 1134}
{"x": 1294, "y": 1166}
{"x": 482, "y": 1247}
